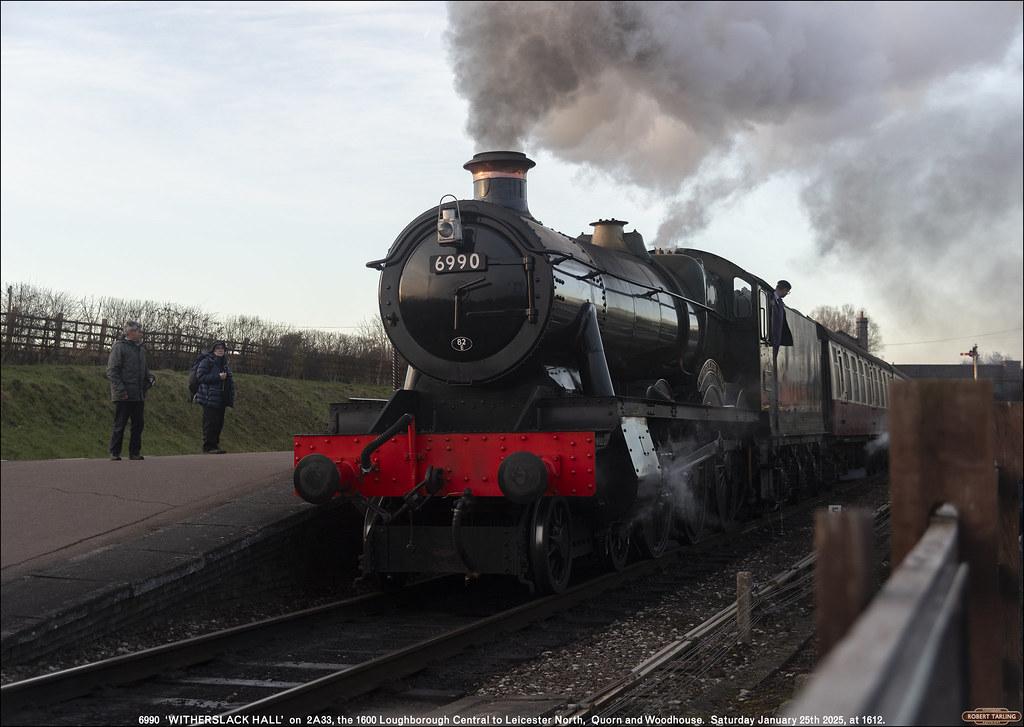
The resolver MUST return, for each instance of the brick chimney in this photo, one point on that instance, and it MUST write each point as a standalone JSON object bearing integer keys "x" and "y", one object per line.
{"x": 862, "y": 331}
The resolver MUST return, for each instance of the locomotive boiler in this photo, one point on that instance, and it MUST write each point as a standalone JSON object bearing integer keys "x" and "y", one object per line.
{"x": 564, "y": 397}
{"x": 474, "y": 291}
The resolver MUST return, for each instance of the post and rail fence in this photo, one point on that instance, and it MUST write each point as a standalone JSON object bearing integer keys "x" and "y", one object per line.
{"x": 941, "y": 641}
{"x": 35, "y": 339}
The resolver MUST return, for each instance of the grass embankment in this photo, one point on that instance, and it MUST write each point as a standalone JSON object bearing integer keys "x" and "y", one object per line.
{"x": 53, "y": 411}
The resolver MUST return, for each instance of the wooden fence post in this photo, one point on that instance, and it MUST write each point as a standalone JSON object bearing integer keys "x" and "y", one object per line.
{"x": 843, "y": 572}
{"x": 58, "y": 330}
{"x": 1009, "y": 432}
{"x": 102, "y": 339}
{"x": 942, "y": 451}
{"x": 743, "y": 606}
{"x": 12, "y": 316}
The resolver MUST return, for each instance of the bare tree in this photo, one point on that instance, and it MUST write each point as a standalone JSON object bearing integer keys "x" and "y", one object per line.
{"x": 376, "y": 346}
{"x": 844, "y": 320}
{"x": 997, "y": 358}
{"x": 359, "y": 356}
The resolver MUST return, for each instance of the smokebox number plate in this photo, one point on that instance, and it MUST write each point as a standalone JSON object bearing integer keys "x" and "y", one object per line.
{"x": 458, "y": 263}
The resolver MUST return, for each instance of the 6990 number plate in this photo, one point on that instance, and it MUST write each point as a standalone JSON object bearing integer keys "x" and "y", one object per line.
{"x": 458, "y": 263}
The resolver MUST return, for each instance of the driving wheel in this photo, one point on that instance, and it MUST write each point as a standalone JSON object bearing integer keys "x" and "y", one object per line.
{"x": 694, "y": 504}
{"x": 656, "y": 526}
{"x": 615, "y": 546}
{"x": 728, "y": 492}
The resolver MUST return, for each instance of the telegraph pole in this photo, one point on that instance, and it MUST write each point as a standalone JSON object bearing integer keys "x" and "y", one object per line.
{"x": 973, "y": 353}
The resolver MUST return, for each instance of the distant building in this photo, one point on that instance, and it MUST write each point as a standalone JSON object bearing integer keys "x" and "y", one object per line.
{"x": 1007, "y": 378}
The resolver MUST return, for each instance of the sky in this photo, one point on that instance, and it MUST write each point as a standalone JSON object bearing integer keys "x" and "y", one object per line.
{"x": 250, "y": 158}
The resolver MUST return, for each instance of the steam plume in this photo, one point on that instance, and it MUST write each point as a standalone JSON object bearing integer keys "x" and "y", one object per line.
{"x": 903, "y": 120}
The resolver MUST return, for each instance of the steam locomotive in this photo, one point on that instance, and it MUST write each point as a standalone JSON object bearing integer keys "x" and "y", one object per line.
{"x": 570, "y": 397}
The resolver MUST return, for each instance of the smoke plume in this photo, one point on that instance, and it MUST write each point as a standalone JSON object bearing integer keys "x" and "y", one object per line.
{"x": 903, "y": 120}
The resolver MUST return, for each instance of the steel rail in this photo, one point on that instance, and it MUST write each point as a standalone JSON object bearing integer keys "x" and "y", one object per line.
{"x": 619, "y": 689}
{"x": 314, "y": 696}
{"x": 80, "y": 680}
{"x": 134, "y": 667}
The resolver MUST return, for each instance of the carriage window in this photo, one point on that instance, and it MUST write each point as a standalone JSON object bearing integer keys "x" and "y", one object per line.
{"x": 838, "y": 381}
{"x": 742, "y": 302}
{"x": 712, "y": 295}
{"x": 849, "y": 390}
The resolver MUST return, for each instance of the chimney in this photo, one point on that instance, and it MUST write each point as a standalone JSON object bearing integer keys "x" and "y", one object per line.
{"x": 499, "y": 177}
{"x": 862, "y": 331}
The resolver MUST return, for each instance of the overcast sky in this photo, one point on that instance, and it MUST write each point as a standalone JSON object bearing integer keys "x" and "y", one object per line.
{"x": 249, "y": 158}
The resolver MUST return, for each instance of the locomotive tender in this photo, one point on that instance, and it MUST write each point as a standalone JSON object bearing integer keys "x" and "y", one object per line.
{"x": 574, "y": 396}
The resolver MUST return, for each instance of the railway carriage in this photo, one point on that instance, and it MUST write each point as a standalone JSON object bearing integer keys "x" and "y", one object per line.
{"x": 576, "y": 397}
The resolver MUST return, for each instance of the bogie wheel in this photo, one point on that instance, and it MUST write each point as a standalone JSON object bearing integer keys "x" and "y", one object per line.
{"x": 656, "y": 526}
{"x": 615, "y": 546}
{"x": 551, "y": 545}
{"x": 829, "y": 469}
{"x": 387, "y": 582}
{"x": 781, "y": 490}
{"x": 812, "y": 468}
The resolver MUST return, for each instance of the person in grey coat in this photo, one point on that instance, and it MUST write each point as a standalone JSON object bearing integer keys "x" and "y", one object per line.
{"x": 130, "y": 379}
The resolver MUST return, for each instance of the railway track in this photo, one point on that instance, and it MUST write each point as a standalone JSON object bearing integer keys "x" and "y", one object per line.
{"x": 301, "y": 663}
{"x": 681, "y": 663}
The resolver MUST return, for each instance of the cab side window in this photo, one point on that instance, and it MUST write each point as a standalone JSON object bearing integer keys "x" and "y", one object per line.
{"x": 741, "y": 298}
{"x": 762, "y": 303}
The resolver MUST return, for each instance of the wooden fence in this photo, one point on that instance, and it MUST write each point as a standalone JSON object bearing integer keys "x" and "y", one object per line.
{"x": 941, "y": 642}
{"x": 33, "y": 339}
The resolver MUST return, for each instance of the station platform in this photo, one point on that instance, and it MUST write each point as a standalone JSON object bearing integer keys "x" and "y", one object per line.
{"x": 86, "y": 538}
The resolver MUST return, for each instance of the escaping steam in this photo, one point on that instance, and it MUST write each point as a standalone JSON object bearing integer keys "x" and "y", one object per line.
{"x": 903, "y": 120}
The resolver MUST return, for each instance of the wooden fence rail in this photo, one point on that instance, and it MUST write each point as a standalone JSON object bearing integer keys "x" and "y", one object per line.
{"x": 34, "y": 339}
{"x": 943, "y": 636}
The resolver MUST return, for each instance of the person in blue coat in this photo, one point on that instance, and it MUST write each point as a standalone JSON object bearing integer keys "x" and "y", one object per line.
{"x": 216, "y": 393}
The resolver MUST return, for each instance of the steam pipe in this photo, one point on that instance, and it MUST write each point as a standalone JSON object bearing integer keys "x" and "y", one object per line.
{"x": 364, "y": 459}
{"x": 461, "y": 508}
{"x": 597, "y": 379}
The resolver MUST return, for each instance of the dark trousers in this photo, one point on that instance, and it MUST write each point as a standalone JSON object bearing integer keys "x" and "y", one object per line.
{"x": 123, "y": 411}
{"x": 213, "y": 422}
